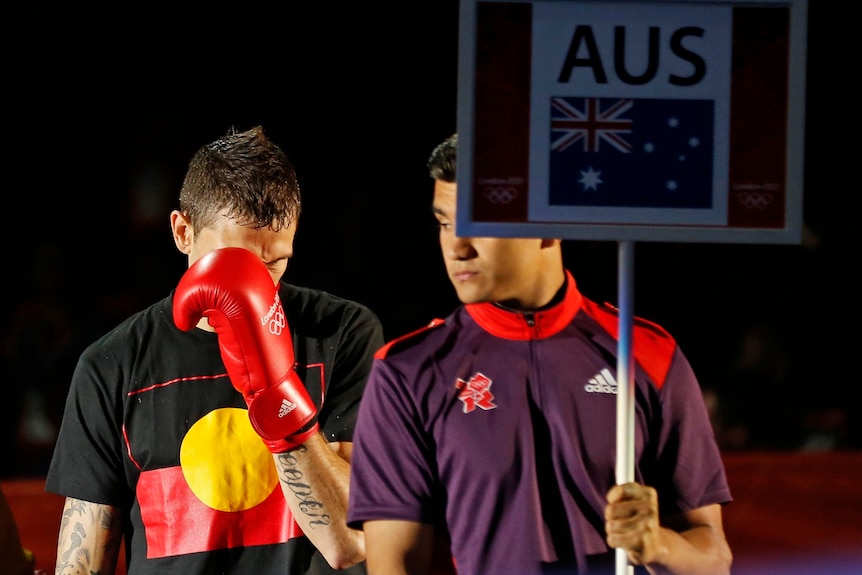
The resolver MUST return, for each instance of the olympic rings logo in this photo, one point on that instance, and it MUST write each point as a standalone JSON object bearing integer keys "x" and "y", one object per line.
{"x": 277, "y": 323}
{"x": 755, "y": 200}
{"x": 500, "y": 194}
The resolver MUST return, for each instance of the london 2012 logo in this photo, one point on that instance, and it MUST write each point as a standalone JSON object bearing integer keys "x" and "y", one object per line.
{"x": 476, "y": 392}
{"x": 275, "y": 317}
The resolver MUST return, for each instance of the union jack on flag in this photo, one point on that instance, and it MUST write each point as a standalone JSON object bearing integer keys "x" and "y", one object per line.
{"x": 631, "y": 152}
{"x": 591, "y": 125}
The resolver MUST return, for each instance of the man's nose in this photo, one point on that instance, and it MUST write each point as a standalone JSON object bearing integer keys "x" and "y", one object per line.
{"x": 460, "y": 248}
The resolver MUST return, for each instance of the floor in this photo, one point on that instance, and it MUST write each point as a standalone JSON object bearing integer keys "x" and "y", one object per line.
{"x": 793, "y": 513}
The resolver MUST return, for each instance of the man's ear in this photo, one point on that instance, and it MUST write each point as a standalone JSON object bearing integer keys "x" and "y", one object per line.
{"x": 182, "y": 231}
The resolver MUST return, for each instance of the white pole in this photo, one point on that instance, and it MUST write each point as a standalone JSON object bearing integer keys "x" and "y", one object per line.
{"x": 625, "y": 468}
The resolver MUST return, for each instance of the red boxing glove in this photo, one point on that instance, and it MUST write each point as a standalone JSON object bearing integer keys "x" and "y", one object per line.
{"x": 234, "y": 290}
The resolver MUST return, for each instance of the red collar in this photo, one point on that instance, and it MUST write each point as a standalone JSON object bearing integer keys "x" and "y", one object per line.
{"x": 517, "y": 325}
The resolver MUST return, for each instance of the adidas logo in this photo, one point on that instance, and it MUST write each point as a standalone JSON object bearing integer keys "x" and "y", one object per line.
{"x": 286, "y": 407}
{"x": 602, "y": 382}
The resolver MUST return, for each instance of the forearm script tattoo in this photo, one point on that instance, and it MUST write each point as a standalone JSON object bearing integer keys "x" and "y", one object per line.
{"x": 294, "y": 479}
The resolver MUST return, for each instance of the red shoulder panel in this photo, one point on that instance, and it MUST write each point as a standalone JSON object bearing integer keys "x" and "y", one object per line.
{"x": 399, "y": 341}
{"x": 653, "y": 346}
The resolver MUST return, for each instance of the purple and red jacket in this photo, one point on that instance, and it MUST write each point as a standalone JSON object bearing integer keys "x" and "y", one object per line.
{"x": 499, "y": 428}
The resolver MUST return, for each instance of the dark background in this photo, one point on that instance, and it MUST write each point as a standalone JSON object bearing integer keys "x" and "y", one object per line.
{"x": 104, "y": 106}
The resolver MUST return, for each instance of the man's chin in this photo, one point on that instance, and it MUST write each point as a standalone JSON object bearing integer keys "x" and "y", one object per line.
{"x": 469, "y": 296}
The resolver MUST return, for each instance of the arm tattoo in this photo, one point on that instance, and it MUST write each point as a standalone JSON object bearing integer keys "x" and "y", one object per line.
{"x": 111, "y": 521}
{"x": 293, "y": 478}
{"x": 78, "y": 556}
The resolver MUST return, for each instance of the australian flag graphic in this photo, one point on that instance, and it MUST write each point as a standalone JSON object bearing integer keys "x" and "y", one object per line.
{"x": 639, "y": 153}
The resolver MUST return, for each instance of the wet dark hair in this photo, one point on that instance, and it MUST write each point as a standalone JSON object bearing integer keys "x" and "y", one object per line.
{"x": 245, "y": 176}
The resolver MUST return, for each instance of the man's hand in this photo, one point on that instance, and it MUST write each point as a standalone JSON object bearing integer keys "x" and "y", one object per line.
{"x": 632, "y": 523}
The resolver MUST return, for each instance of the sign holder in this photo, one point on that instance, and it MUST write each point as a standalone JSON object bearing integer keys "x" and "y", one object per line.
{"x": 631, "y": 120}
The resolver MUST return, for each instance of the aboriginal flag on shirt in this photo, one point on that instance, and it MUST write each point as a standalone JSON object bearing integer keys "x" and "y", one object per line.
{"x": 217, "y": 488}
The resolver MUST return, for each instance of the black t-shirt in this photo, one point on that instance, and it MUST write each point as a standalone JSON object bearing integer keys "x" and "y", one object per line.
{"x": 153, "y": 425}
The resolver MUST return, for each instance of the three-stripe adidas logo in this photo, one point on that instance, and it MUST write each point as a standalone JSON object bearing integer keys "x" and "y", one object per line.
{"x": 602, "y": 382}
{"x": 286, "y": 407}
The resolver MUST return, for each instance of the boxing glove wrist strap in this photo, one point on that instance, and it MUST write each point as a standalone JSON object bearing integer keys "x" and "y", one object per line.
{"x": 278, "y": 412}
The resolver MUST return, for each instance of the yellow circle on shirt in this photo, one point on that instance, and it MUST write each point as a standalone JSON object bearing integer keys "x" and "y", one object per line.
{"x": 225, "y": 463}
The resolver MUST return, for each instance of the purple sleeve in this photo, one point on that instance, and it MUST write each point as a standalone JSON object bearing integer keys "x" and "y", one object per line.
{"x": 391, "y": 467}
{"x": 690, "y": 472}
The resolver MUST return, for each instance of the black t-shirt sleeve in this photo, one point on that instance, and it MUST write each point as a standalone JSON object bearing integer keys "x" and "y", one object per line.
{"x": 87, "y": 460}
{"x": 361, "y": 336}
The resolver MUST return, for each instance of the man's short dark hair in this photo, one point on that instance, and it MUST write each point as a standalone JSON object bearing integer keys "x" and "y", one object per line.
{"x": 441, "y": 164}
